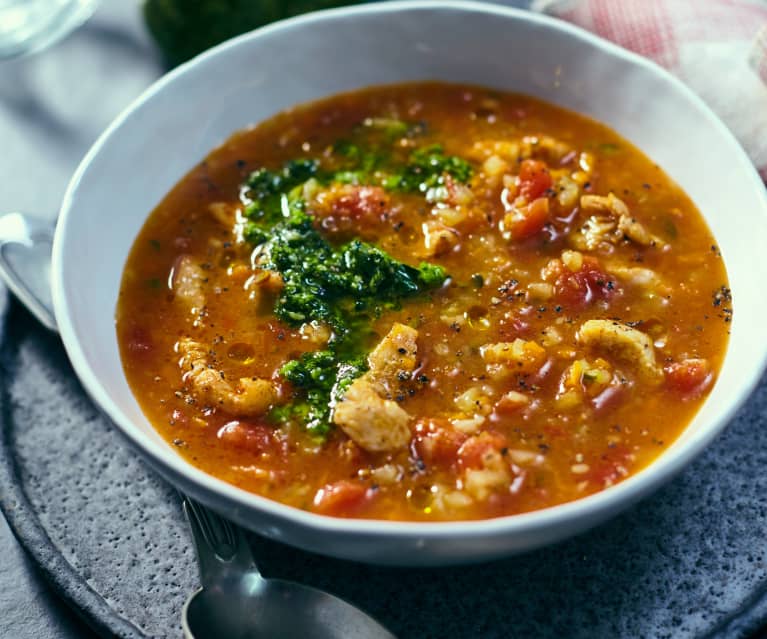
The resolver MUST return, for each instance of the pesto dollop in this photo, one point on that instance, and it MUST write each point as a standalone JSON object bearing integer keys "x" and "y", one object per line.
{"x": 343, "y": 286}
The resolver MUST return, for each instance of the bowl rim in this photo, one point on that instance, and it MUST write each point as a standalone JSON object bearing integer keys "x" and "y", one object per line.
{"x": 610, "y": 499}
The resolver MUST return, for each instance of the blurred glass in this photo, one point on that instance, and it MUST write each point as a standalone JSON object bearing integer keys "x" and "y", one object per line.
{"x": 31, "y": 25}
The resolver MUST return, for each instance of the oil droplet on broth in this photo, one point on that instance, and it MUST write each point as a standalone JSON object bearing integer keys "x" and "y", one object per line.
{"x": 242, "y": 353}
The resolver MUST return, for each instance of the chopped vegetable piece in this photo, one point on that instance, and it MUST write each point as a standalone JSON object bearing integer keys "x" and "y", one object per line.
{"x": 526, "y": 221}
{"x": 534, "y": 179}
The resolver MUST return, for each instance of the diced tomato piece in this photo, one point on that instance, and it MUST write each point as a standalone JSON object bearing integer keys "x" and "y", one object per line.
{"x": 361, "y": 202}
{"x": 586, "y": 286}
{"x": 257, "y": 438}
{"x": 690, "y": 376}
{"x": 436, "y": 442}
{"x": 534, "y": 179}
{"x": 344, "y": 497}
{"x": 611, "y": 467}
{"x": 351, "y": 208}
{"x": 527, "y": 221}
{"x": 476, "y": 449}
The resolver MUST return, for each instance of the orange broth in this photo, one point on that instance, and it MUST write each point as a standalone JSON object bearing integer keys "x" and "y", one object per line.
{"x": 582, "y": 324}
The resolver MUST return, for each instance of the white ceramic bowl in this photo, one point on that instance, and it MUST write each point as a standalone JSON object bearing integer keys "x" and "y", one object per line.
{"x": 190, "y": 111}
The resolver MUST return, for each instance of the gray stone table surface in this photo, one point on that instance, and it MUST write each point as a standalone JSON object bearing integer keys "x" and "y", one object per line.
{"x": 54, "y": 105}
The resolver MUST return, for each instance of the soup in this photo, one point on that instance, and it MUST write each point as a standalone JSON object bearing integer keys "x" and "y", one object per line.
{"x": 423, "y": 302}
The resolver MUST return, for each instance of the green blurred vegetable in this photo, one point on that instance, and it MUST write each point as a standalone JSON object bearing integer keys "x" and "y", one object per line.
{"x": 184, "y": 28}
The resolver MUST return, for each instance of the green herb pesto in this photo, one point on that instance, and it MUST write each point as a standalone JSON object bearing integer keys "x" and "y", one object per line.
{"x": 341, "y": 286}
{"x": 334, "y": 285}
{"x": 423, "y": 169}
{"x": 345, "y": 285}
{"x": 268, "y": 189}
{"x": 428, "y": 166}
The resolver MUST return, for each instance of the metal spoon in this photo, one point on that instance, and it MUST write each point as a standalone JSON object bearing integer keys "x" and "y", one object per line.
{"x": 25, "y": 263}
{"x": 235, "y": 601}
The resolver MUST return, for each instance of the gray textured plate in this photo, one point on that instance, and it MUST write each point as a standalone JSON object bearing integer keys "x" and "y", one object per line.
{"x": 109, "y": 534}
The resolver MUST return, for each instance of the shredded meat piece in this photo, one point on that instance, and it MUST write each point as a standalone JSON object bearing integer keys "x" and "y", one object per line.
{"x": 597, "y": 231}
{"x": 639, "y": 276}
{"x": 189, "y": 282}
{"x": 615, "y": 227}
{"x": 364, "y": 413}
{"x": 394, "y": 354}
{"x": 626, "y": 343}
{"x": 372, "y": 422}
{"x": 545, "y": 147}
{"x": 636, "y": 232}
{"x": 249, "y": 396}
{"x": 604, "y": 204}
{"x": 438, "y": 238}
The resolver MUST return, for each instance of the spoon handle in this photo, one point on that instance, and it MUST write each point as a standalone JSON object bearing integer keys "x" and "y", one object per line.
{"x": 222, "y": 549}
{"x": 25, "y": 263}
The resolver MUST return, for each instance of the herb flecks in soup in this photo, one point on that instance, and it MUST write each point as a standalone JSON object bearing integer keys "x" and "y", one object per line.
{"x": 423, "y": 302}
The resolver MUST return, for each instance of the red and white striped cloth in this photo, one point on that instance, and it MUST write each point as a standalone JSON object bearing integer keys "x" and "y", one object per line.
{"x": 717, "y": 47}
